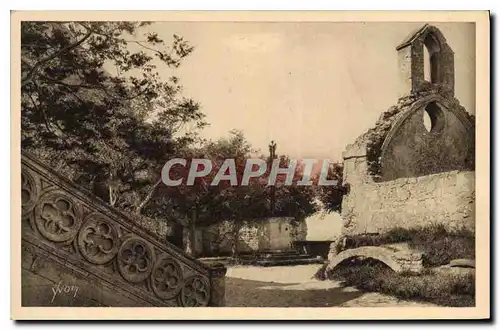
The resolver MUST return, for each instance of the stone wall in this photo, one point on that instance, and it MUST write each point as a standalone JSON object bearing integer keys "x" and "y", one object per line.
{"x": 254, "y": 235}
{"x": 399, "y": 145}
{"x": 401, "y": 175}
{"x": 249, "y": 236}
{"x": 78, "y": 251}
{"x": 445, "y": 198}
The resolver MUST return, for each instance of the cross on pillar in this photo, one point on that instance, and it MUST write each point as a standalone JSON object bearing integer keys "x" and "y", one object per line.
{"x": 272, "y": 156}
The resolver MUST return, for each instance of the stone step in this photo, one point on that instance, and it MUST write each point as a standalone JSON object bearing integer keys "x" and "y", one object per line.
{"x": 287, "y": 262}
{"x": 276, "y": 257}
{"x": 265, "y": 262}
{"x": 277, "y": 252}
{"x": 226, "y": 261}
{"x": 213, "y": 259}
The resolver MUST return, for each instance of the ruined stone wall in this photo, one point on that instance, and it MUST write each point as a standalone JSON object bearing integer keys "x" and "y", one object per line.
{"x": 401, "y": 175}
{"x": 415, "y": 167}
{"x": 446, "y": 198}
{"x": 410, "y": 150}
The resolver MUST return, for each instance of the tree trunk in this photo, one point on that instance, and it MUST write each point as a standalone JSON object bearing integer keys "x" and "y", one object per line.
{"x": 147, "y": 198}
{"x": 190, "y": 235}
{"x": 112, "y": 196}
{"x": 175, "y": 234}
{"x": 236, "y": 235}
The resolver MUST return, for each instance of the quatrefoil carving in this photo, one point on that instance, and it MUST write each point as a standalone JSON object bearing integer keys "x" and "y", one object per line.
{"x": 29, "y": 192}
{"x": 195, "y": 292}
{"x": 98, "y": 239}
{"x": 58, "y": 217}
{"x": 135, "y": 259}
{"x": 166, "y": 277}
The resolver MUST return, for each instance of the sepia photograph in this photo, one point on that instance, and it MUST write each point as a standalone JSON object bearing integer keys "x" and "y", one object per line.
{"x": 248, "y": 163}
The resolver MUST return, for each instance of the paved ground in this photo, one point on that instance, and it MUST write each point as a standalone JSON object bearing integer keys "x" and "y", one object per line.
{"x": 292, "y": 286}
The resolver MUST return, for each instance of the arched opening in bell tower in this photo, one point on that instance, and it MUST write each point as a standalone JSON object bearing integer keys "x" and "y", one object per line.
{"x": 431, "y": 59}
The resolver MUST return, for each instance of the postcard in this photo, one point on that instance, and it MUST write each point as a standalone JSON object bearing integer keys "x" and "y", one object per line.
{"x": 250, "y": 165}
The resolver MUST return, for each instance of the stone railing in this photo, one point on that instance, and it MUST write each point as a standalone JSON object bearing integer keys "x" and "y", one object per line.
{"x": 71, "y": 237}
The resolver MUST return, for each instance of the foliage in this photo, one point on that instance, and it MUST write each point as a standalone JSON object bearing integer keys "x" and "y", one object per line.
{"x": 320, "y": 274}
{"x": 375, "y": 138}
{"x": 95, "y": 108}
{"x": 213, "y": 202}
{"x": 444, "y": 288}
{"x": 332, "y": 196}
{"x": 225, "y": 202}
{"x": 439, "y": 246}
{"x": 291, "y": 200}
{"x": 111, "y": 133}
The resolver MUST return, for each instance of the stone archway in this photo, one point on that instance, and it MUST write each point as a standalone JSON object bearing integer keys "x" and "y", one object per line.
{"x": 382, "y": 254}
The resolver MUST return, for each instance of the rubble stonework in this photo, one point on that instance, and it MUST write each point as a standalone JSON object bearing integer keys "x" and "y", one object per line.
{"x": 412, "y": 64}
{"x": 443, "y": 198}
{"x": 273, "y": 233}
{"x": 423, "y": 152}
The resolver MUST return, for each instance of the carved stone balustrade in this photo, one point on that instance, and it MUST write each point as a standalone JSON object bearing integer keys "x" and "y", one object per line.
{"x": 72, "y": 239}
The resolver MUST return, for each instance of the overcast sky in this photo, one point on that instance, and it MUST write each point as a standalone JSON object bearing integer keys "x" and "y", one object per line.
{"x": 312, "y": 87}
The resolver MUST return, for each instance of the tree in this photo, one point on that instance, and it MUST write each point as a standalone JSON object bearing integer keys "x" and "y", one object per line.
{"x": 203, "y": 203}
{"x": 294, "y": 200}
{"x": 236, "y": 204}
{"x": 332, "y": 196}
{"x": 111, "y": 133}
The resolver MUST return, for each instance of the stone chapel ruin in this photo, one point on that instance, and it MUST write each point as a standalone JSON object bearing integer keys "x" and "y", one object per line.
{"x": 406, "y": 172}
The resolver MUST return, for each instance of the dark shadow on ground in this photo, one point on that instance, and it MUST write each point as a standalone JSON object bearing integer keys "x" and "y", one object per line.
{"x": 246, "y": 293}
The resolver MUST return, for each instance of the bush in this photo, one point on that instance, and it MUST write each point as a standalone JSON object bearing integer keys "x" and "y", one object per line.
{"x": 321, "y": 273}
{"x": 447, "y": 289}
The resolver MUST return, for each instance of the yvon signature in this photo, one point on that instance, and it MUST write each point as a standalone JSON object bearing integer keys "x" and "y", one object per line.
{"x": 64, "y": 289}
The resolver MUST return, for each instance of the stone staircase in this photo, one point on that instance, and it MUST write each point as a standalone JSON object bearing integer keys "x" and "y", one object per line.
{"x": 266, "y": 259}
{"x": 78, "y": 251}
